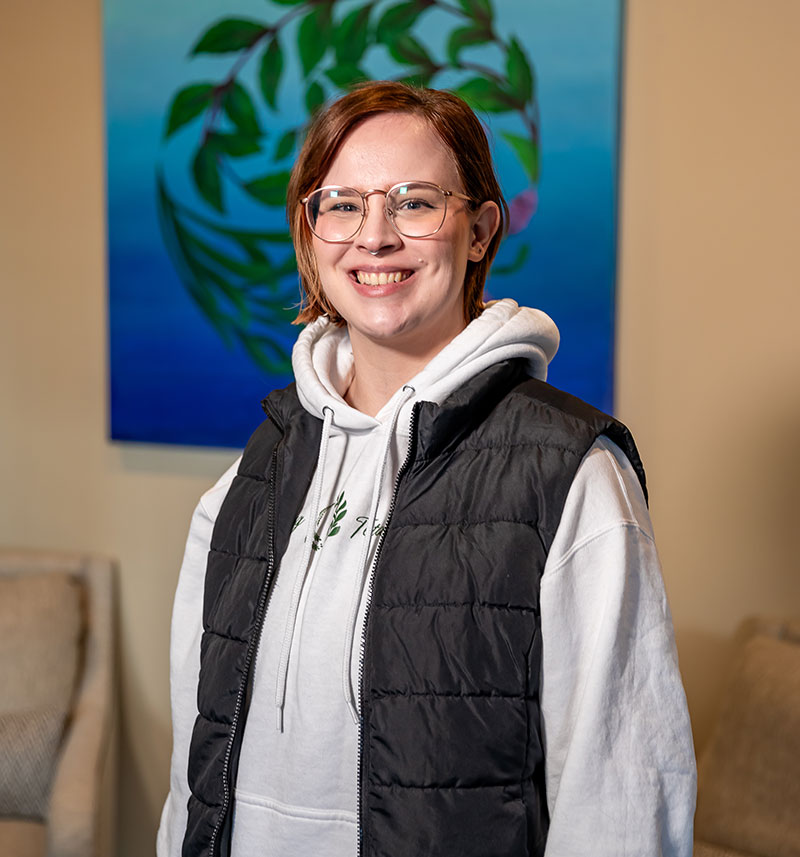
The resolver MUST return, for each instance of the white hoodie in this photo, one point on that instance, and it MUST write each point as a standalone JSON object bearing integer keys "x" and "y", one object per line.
{"x": 619, "y": 761}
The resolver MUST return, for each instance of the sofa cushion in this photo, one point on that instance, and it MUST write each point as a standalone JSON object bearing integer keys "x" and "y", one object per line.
{"x": 29, "y": 742}
{"x": 40, "y": 636}
{"x": 749, "y": 776}
{"x": 40, "y": 628}
{"x": 703, "y": 849}
{"x": 22, "y": 838}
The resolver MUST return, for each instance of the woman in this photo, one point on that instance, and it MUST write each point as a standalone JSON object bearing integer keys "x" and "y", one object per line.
{"x": 433, "y": 621}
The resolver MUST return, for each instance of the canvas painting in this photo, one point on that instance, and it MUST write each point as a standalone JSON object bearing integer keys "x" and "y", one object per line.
{"x": 207, "y": 104}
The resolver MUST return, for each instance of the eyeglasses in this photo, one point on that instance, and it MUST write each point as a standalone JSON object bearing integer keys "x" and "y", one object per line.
{"x": 414, "y": 209}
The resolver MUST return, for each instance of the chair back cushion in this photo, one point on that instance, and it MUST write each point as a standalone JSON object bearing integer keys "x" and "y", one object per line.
{"x": 749, "y": 776}
{"x": 41, "y": 627}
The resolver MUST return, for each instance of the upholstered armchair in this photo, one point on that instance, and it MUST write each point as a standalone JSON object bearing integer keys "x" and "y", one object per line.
{"x": 57, "y": 705}
{"x": 748, "y": 801}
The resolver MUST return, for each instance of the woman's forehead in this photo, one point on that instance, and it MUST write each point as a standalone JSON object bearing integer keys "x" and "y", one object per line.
{"x": 389, "y": 148}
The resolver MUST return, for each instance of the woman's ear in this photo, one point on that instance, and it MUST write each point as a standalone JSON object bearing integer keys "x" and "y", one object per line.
{"x": 486, "y": 222}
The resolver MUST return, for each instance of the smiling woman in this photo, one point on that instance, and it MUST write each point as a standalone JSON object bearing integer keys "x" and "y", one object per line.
{"x": 423, "y": 614}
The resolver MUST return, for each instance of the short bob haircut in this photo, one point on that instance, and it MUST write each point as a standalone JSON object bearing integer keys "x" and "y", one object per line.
{"x": 459, "y": 129}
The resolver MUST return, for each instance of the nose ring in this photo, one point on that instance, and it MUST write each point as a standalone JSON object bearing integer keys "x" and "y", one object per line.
{"x": 373, "y": 252}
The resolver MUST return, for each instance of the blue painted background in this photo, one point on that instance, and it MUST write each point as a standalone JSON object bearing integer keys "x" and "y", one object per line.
{"x": 172, "y": 378}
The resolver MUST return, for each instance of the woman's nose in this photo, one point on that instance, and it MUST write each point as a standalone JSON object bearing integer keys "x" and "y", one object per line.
{"x": 377, "y": 233}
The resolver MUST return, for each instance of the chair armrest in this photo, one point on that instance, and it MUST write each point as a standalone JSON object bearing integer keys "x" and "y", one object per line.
{"x": 78, "y": 817}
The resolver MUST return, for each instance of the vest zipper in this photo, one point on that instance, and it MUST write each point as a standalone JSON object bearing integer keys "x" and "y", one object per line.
{"x": 370, "y": 580}
{"x": 261, "y": 611}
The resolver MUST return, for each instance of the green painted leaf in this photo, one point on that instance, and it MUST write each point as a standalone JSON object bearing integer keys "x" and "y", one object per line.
{"x": 407, "y": 50}
{"x": 478, "y": 10}
{"x": 276, "y": 366}
{"x": 518, "y": 71}
{"x": 345, "y": 75}
{"x": 516, "y": 264}
{"x": 249, "y": 272}
{"x": 270, "y": 189}
{"x": 286, "y": 145}
{"x": 420, "y": 77}
{"x": 315, "y": 97}
{"x": 397, "y": 20}
{"x": 484, "y": 94}
{"x": 350, "y": 37}
{"x": 190, "y": 102}
{"x": 228, "y": 35}
{"x": 234, "y": 145}
{"x": 527, "y": 151}
{"x": 241, "y": 111}
{"x": 269, "y": 72}
{"x": 205, "y": 169}
{"x": 462, "y": 38}
{"x": 313, "y": 37}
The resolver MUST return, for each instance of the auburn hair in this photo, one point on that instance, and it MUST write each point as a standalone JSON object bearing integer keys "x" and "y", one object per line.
{"x": 458, "y": 128}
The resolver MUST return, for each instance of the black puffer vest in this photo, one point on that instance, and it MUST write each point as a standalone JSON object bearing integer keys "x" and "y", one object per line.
{"x": 451, "y": 756}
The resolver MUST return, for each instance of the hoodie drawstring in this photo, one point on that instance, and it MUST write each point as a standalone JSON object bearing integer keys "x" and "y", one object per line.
{"x": 302, "y": 569}
{"x": 360, "y": 578}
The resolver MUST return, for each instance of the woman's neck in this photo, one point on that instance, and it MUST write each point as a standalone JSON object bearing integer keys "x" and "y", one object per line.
{"x": 379, "y": 371}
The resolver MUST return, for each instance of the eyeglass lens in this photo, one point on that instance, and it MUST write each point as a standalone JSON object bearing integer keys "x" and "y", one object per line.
{"x": 416, "y": 209}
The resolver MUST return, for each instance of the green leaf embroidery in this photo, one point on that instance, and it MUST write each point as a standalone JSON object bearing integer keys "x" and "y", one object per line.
{"x": 205, "y": 170}
{"x": 350, "y": 37}
{"x": 462, "y": 38}
{"x": 315, "y": 97}
{"x": 190, "y": 102}
{"x": 270, "y": 70}
{"x": 520, "y": 76}
{"x": 270, "y": 189}
{"x": 527, "y": 152}
{"x": 228, "y": 35}
{"x": 241, "y": 111}
{"x": 313, "y": 37}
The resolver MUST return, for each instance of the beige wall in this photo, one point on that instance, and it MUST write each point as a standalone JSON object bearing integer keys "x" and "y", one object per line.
{"x": 709, "y": 360}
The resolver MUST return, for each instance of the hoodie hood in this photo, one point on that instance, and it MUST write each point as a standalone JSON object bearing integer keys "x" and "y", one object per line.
{"x": 323, "y": 362}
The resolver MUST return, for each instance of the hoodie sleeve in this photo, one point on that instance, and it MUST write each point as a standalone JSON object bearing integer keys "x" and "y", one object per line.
{"x": 187, "y": 629}
{"x": 619, "y": 759}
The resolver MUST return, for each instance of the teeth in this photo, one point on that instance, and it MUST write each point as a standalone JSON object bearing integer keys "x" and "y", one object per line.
{"x": 371, "y": 278}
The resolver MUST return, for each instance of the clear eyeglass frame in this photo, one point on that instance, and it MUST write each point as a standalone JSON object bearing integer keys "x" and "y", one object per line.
{"x": 388, "y": 213}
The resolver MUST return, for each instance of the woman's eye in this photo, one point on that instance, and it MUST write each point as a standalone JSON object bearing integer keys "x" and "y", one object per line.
{"x": 342, "y": 208}
{"x": 413, "y": 205}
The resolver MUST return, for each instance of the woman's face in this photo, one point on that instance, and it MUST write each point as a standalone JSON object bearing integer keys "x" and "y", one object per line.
{"x": 422, "y": 312}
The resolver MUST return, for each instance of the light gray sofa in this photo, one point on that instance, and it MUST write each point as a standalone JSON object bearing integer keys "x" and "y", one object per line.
{"x": 57, "y": 705}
